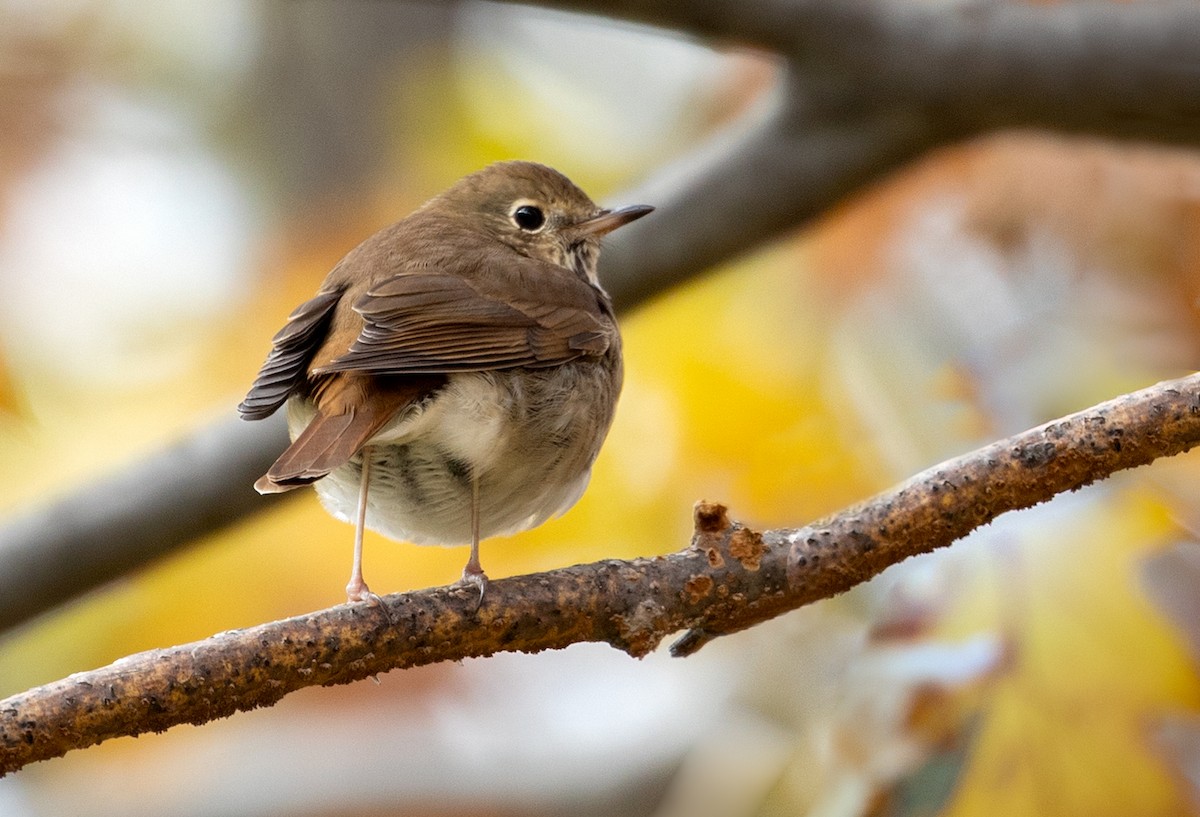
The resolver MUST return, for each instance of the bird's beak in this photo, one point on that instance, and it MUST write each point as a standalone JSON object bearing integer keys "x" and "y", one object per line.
{"x": 606, "y": 221}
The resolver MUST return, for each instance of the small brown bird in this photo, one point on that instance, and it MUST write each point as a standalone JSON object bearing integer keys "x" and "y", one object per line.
{"x": 456, "y": 372}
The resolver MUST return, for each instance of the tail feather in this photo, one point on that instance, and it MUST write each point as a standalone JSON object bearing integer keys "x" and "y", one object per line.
{"x": 327, "y": 442}
{"x": 348, "y": 415}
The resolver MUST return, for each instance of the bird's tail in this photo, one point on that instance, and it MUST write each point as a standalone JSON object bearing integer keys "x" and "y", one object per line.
{"x": 327, "y": 442}
{"x": 350, "y": 411}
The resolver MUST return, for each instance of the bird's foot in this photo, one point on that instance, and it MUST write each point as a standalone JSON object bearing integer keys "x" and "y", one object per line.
{"x": 357, "y": 591}
{"x": 474, "y": 577}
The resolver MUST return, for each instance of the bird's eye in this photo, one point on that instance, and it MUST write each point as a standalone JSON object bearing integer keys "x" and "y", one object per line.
{"x": 528, "y": 217}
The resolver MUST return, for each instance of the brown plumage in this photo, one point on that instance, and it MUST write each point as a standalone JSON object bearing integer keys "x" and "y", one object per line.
{"x": 350, "y": 410}
{"x": 463, "y": 363}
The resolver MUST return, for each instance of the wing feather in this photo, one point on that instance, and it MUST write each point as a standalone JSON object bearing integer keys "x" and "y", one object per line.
{"x": 292, "y": 349}
{"x": 429, "y": 322}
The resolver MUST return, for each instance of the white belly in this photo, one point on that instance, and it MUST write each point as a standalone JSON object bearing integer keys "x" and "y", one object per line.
{"x": 529, "y": 436}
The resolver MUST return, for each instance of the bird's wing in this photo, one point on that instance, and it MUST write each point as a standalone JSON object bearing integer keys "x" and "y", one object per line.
{"x": 436, "y": 322}
{"x": 292, "y": 348}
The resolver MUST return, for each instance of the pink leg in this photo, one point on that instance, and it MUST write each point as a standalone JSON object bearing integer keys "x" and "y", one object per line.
{"x": 356, "y": 589}
{"x": 473, "y": 574}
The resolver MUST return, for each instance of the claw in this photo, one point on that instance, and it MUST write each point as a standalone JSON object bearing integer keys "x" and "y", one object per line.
{"x": 474, "y": 578}
{"x": 359, "y": 592}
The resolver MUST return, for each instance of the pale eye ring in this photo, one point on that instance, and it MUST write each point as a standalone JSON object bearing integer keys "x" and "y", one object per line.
{"x": 529, "y": 217}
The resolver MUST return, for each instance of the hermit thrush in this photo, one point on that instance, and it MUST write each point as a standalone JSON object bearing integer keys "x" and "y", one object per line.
{"x": 456, "y": 373}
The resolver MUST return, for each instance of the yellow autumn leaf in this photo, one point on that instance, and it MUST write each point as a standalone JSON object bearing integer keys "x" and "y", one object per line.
{"x": 1064, "y": 731}
{"x": 8, "y": 390}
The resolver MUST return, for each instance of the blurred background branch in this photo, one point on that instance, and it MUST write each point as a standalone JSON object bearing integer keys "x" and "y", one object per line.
{"x": 864, "y": 88}
{"x": 123, "y": 521}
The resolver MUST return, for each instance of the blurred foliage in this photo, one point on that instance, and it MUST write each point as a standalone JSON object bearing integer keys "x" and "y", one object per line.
{"x": 982, "y": 291}
{"x": 1092, "y": 664}
{"x": 8, "y": 390}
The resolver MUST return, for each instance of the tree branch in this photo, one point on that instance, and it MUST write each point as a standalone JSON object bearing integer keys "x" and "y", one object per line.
{"x": 134, "y": 516}
{"x": 749, "y": 185}
{"x": 1111, "y": 69}
{"x": 868, "y": 85}
{"x": 730, "y": 578}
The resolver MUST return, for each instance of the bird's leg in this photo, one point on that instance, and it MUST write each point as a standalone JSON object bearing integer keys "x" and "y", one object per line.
{"x": 473, "y": 574}
{"x": 356, "y": 589}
